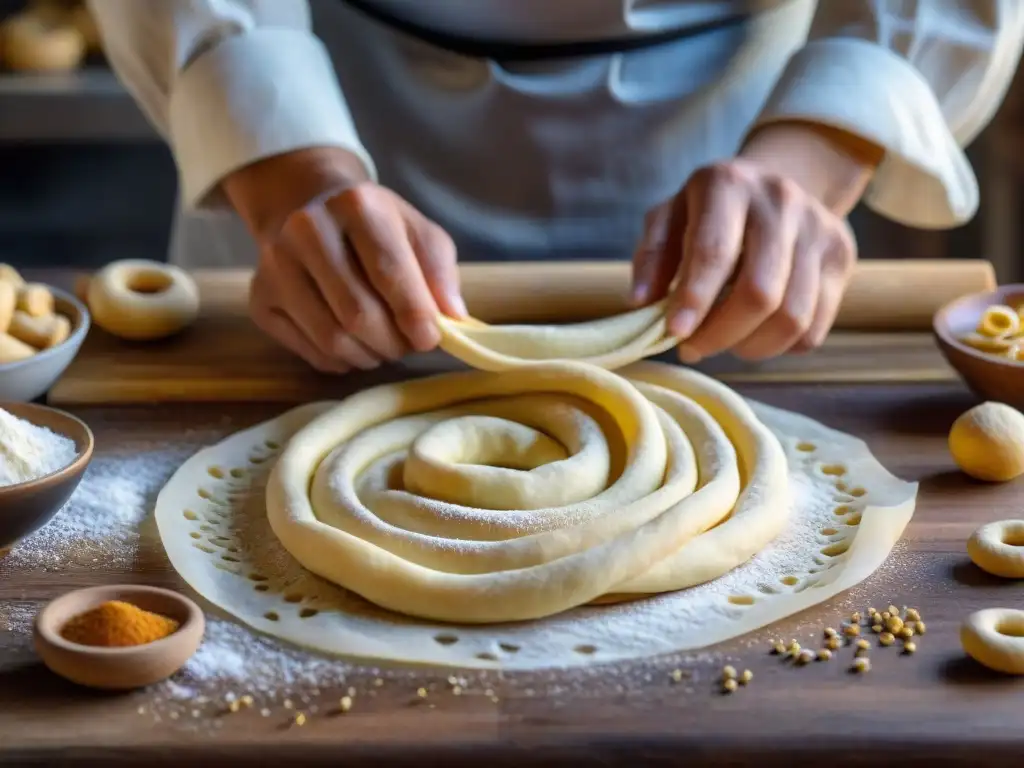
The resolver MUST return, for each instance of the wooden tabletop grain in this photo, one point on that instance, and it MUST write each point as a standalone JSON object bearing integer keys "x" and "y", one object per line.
{"x": 935, "y": 708}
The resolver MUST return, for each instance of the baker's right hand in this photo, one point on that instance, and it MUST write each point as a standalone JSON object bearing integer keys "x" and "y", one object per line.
{"x": 350, "y": 275}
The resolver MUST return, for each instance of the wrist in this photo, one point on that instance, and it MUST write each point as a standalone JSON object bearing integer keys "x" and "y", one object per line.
{"x": 267, "y": 192}
{"x": 833, "y": 165}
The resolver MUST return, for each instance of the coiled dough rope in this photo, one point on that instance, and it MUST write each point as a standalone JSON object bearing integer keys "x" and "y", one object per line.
{"x": 536, "y": 485}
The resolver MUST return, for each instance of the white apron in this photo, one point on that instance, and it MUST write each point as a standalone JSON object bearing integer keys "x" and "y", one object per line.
{"x": 542, "y": 160}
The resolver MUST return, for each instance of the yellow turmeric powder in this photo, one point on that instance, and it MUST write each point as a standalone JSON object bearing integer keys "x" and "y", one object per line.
{"x": 116, "y": 624}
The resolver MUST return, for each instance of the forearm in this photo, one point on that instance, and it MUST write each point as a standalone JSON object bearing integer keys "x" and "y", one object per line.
{"x": 922, "y": 94}
{"x": 257, "y": 193}
{"x": 833, "y": 165}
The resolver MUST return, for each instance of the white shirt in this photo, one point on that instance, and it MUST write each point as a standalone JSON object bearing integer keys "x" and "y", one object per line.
{"x": 556, "y": 159}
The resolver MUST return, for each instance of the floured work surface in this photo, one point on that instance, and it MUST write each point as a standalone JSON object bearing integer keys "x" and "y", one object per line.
{"x": 930, "y": 708}
{"x": 224, "y": 357}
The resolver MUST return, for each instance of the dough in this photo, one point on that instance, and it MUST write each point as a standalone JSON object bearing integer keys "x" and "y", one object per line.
{"x": 609, "y": 343}
{"x": 998, "y": 548}
{"x": 648, "y": 465}
{"x": 143, "y": 300}
{"x": 995, "y": 638}
{"x": 987, "y": 442}
{"x": 845, "y": 514}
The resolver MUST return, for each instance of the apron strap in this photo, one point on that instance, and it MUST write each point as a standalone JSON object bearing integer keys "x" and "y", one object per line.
{"x": 507, "y": 51}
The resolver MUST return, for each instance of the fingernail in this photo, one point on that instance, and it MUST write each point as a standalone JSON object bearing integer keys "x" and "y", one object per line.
{"x": 683, "y": 323}
{"x": 459, "y": 306}
{"x": 689, "y": 355}
{"x": 640, "y": 294}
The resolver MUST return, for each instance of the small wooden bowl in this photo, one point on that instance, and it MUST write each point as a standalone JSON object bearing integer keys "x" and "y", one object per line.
{"x": 118, "y": 668}
{"x": 27, "y": 507}
{"x": 990, "y": 377}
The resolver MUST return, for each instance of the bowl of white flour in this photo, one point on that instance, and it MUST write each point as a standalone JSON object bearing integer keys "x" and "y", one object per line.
{"x": 44, "y": 453}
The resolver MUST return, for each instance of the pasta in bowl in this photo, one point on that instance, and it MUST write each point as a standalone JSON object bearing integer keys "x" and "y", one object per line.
{"x": 982, "y": 338}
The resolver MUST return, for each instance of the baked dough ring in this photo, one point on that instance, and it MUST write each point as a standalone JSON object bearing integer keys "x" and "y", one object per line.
{"x": 998, "y": 548}
{"x": 616, "y": 486}
{"x": 141, "y": 300}
{"x": 32, "y": 43}
{"x": 995, "y": 638}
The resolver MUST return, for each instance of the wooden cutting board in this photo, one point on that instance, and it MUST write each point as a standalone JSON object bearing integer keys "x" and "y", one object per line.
{"x": 224, "y": 357}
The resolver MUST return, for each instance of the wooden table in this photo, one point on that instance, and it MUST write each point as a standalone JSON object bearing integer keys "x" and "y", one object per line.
{"x": 934, "y": 708}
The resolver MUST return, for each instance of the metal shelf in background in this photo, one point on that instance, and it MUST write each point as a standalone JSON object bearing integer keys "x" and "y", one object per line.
{"x": 85, "y": 106}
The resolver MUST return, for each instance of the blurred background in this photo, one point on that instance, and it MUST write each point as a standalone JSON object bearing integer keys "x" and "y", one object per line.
{"x": 84, "y": 180}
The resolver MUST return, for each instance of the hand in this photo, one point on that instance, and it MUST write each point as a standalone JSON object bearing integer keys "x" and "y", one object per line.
{"x": 350, "y": 275}
{"x": 788, "y": 254}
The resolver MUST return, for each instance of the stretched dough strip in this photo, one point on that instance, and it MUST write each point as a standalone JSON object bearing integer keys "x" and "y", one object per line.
{"x": 607, "y": 343}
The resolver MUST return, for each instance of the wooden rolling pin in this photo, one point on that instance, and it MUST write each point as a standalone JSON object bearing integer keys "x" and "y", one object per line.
{"x": 883, "y": 296}
{"x": 890, "y": 295}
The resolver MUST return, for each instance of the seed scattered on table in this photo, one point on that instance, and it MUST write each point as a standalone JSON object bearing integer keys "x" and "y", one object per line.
{"x": 855, "y": 618}
{"x": 876, "y": 628}
{"x": 806, "y": 656}
{"x": 729, "y": 672}
{"x": 345, "y": 704}
{"x": 909, "y": 647}
{"x": 913, "y": 614}
{"x": 830, "y": 632}
{"x": 421, "y": 692}
{"x": 247, "y": 701}
{"x": 824, "y": 654}
{"x": 676, "y": 675}
{"x": 729, "y": 685}
{"x": 300, "y": 719}
{"x": 851, "y": 630}
{"x": 861, "y": 664}
{"x": 894, "y": 624}
{"x": 906, "y": 633}
{"x": 746, "y": 676}
{"x": 886, "y": 638}
{"x": 794, "y": 649}
{"x": 894, "y": 611}
{"x": 863, "y": 646}
{"x": 287, "y": 704}
{"x": 920, "y": 627}
{"x": 833, "y": 643}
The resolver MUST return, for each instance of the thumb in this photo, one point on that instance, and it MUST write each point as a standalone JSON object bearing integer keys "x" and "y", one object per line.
{"x": 435, "y": 251}
{"x": 652, "y": 266}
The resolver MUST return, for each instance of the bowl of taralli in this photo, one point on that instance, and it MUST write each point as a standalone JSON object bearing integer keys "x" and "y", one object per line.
{"x": 41, "y": 330}
{"x": 982, "y": 337}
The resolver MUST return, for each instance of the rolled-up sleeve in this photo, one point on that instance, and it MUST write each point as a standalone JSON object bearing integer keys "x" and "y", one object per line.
{"x": 919, "y": 79}
{"x": 227, "y": 83}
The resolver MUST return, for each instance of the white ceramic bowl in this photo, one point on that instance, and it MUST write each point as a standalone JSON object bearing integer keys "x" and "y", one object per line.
{"x": 25, "y": 380}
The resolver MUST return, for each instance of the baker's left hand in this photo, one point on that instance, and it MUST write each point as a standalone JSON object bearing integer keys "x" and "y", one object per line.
{"x": 760, "y": 244}
{"x": 785, "y": 257}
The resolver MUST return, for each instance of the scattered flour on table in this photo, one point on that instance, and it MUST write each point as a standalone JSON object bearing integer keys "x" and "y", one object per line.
{"x": 108, "y": 516}
{"x": 28, "y": 452}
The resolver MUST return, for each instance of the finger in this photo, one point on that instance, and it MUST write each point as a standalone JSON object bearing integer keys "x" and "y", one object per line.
{"x": 358, "y": 309}
{"x": 438, "y": 260}
{"x": 793, "y": 319}
{"x": 657, "y": 256}
{"x": 716, "y": 211}
{"x": 837, "y": 270}
{"x": 281, "y": 329}
{"x": 833, "y": 285}
{"x": 759, "y": 289}
{"x": 381, "y": 241}
{"x": 304, "y": 305}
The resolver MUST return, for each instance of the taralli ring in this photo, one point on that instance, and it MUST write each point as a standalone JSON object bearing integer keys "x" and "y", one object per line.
{"x": 998, "y": 548}
{"x": 995, "y": 639}
{"x": 142, "y": 300}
